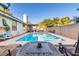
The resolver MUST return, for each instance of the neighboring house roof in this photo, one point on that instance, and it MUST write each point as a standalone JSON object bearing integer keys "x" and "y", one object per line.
{"x": 33, "y": 24}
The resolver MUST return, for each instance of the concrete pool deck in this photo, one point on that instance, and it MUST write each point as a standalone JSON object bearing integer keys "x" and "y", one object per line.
{"x": 67, "y": 41}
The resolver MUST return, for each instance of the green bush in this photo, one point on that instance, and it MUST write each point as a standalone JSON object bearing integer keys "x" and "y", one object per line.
{"x": 7, "y": 28}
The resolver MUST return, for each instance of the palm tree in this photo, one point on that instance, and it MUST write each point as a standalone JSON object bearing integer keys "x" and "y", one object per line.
{"x": 76, "y": 19}
{"x": 77, "y": 9}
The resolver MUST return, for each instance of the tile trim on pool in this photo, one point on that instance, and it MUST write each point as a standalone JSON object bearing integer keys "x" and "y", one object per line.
{"x": 68, "y": 41}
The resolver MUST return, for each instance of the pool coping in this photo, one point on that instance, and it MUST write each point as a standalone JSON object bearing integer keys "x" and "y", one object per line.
{"x": 68, "y": 42}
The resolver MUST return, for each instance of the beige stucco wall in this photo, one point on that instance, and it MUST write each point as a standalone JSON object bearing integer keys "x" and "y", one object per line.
{"x": 2, "y": 30}
{"x": 70, "y": 31}
{"x": 20, "y": 28}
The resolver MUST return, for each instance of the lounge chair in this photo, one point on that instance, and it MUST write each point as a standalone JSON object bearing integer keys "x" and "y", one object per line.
{"x": 69, "y": 52}
{"x": 4, "y": 51}
{"x": 9, "y": 50}
{"x": 4, "y": 36}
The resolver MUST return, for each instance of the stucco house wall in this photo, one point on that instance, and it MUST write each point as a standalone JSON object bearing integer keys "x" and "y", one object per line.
{"x": 20, "y": 28}
{"x": 11, "y": 20}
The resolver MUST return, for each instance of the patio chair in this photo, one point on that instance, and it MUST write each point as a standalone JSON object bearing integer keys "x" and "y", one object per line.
{"x": 9, "y": 50}
{"x": 67, "y": 51}
{"x": 4, "y": 51}
{"x": 4, "y": 36}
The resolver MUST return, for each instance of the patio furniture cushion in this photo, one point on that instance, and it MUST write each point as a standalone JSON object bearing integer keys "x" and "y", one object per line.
{"x": 4, "y": 36}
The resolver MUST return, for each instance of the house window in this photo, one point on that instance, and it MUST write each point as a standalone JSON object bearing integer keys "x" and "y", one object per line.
{"x": 14, "y": 25}
{"x": 23, "y": 25}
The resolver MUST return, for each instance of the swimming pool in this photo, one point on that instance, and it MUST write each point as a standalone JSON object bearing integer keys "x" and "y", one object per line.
{"x": 32, "y": 37}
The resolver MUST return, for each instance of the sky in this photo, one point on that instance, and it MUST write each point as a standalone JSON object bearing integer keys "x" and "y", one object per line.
{"x": 37, "y": 12}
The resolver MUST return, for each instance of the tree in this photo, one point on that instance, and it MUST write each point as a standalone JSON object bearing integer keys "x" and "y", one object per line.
{"x": 55, "y": 22}
{"x": 47, "y": 22}
{"x": 76, "y": 19}
{"x": 65, "y": 21}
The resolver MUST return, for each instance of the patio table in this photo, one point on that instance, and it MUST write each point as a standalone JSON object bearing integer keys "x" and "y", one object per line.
{"x": 30, "y": 49}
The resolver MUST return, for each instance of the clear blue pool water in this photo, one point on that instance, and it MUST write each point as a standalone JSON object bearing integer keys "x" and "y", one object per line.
{"x": 38, "y": 37}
